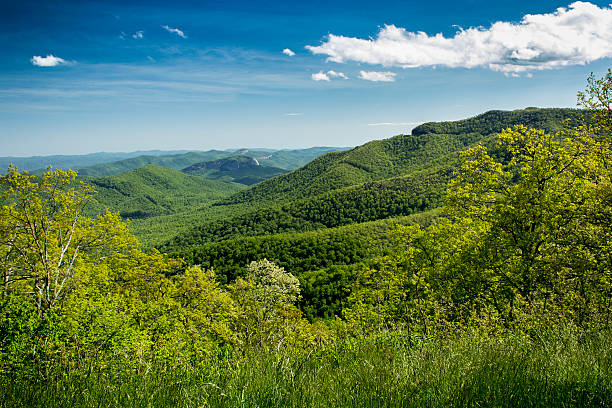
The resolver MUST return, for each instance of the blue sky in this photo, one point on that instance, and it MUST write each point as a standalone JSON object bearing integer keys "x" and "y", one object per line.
{"x": 79, "y": 77}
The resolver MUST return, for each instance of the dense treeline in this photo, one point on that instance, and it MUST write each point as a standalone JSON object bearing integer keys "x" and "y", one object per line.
{"x": 367, "y": 202}
{"x": 547, "y": 119}
{"x": 326, "y": 262}
{"x": 297, "y": 252}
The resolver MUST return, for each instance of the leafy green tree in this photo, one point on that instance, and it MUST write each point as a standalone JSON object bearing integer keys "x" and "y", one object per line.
{"x": 268, "y": 316}
{"x": 598, "y": 97}
{"x": 543, "y": 249}
{"x": 43, "y": 233}
{"x": 276, "y": 288}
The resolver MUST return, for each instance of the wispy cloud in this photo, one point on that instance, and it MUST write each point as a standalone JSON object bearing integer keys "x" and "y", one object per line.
{"x": 48, "y": 61}
{"x": 376, "y": 76}
{"x": 575, "y": 35}
{"x": 145, "y": 83}
{"x": 320, "y": 76}
{"x": 138, "y": 35}
{"x": 176, "y": 31}
{"x": 294, "y": 114}
{"x": 288, "y": 52}
{"x": 394, "y": 124}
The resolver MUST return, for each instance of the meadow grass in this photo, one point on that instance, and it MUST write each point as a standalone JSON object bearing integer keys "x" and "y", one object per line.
{"x": 555, "y": 369}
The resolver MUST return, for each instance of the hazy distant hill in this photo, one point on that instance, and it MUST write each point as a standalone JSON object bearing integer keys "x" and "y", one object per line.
{"x": 152, "y": 190}
{"x": 172, "y": 161}
{"x": 284, "y": 159}
{"x": 239, "y": 168}
{"x": 75, "y": 161}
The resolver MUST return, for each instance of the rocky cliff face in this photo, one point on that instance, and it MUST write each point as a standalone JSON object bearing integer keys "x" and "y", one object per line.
{"x": 227, "y": 164}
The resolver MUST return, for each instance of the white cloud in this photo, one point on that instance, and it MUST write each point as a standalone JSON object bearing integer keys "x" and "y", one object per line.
{"x": 575, "y": 35}
{"x": 320, "y": 76}
{"x": 336, "y": 74}
{"x": 394, "y": 124}
{"x": 294, "y": 114}
{"x": 138, "y": 35}
{"x": 175, "y": 31}
{"x": 376, "y": 76}
{"x": 327, "y": 76}
{"x": 288, "y": 52}
{"x": 48, "y": 61}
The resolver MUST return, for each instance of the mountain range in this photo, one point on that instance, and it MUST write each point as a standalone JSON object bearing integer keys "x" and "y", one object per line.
{"x": 318, "y": 212}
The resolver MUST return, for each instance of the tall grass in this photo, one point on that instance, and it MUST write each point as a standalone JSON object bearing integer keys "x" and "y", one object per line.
{"x": 559, "y": 368}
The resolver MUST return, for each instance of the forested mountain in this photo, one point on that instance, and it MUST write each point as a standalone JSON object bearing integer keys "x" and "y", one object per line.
{"x": 152, "y": 191}
{"x": 241, "y": 169}
{"x": 430, "y": 145}
{"x": 387, "y": 178}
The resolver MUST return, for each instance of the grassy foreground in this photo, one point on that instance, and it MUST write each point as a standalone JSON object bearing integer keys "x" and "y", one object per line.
{"x": 560, "y": 368}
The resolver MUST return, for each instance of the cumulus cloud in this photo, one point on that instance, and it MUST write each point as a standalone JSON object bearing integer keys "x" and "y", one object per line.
{"x": 336, "y": 74}
{"x": 376, "y": 76}
{"x": 575, "y": 35}
{"x": 175, "y": 31}
{"x": 320, "y": 76}
{"x": 288, "y": 52}
{"x": 138, "y": 35}
{"x": 327, "y": 76}
{"x": 48, "y": 61}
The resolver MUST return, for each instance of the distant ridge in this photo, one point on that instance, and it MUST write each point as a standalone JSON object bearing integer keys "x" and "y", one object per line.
{"x": 283, "y": 159}
{"x": 34, "y": 163}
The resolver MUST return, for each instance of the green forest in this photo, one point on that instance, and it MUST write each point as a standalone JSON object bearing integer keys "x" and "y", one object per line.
{"x": 468, "y": 263}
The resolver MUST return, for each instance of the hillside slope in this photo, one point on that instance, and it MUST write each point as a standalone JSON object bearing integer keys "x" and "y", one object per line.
{"x": 152, "y": 191}
{"x": 356, "y": 204}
